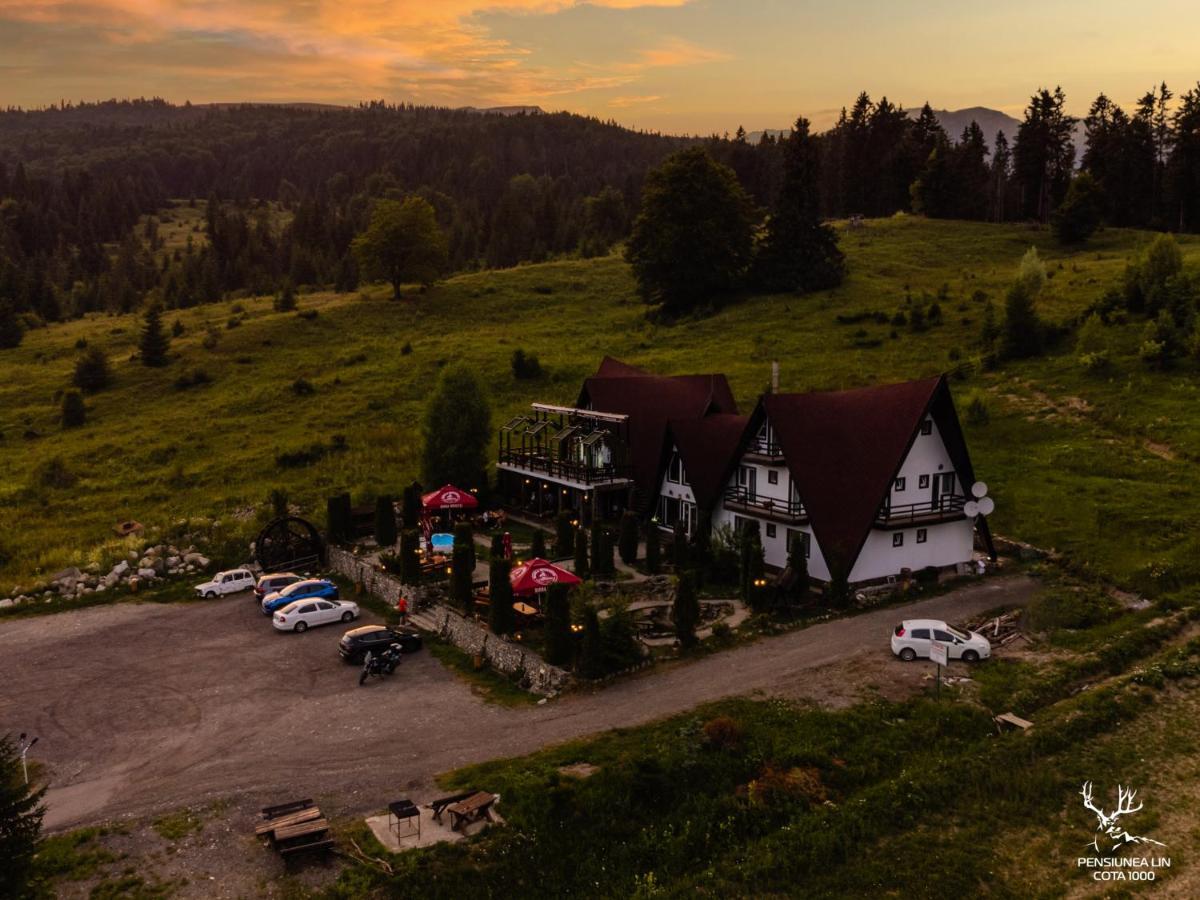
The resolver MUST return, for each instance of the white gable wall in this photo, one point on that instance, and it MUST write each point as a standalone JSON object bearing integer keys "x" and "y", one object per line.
{"x": 681, "y": 491}
{"x": 945, "y": 544}
{"x": 927, "y": 456}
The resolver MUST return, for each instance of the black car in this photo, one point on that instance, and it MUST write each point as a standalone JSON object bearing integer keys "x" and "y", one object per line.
{"x": 356, "y": 642}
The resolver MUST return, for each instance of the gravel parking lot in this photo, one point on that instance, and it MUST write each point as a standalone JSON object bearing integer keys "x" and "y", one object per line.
{"x": 144, "y": 708}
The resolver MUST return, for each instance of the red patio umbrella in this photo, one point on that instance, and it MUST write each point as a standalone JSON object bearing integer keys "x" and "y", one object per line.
{"x": 449, "y": 497}
{"x": 536, "y": 575}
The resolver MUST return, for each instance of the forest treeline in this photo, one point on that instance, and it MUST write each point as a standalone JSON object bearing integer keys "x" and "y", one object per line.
{"x": 78, "y": 182}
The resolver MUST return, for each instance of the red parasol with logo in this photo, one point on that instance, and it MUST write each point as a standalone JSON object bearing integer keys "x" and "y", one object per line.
{"x": 537, "y": 575}
{"x": 449, "y": 497}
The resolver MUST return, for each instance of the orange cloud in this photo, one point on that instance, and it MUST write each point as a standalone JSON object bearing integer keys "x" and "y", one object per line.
{"x": 433, "y": 51}
{"x": 624, "y": 102}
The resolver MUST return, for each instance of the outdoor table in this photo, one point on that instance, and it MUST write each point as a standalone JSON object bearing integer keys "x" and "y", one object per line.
{"x": 525, "y": 609}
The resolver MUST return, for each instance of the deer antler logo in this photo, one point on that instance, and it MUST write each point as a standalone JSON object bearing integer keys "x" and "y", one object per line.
{"x": 1107, "y": 826}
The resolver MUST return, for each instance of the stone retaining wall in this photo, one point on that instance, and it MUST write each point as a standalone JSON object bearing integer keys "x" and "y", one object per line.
{"x": 513, "y": 659}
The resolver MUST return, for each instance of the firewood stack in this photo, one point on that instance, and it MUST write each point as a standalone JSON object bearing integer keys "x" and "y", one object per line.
{"x": 1001, "y": 630}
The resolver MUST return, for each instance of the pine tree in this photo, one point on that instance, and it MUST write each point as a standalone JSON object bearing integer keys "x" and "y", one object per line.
{"x": 581, "y": 553}
{"x": 21, "y": 814}
{"x": 627, "y": 542}
{"x": 11, "y": 330}
{"x": 1078, "y": 216}
{"x": 1021, "y": 335}
{"x": 537, "y": 545}
{"x": 154, "y": 342}
{"x": 560, "y": 648}
{"x": 385, "y": 521}
{"x": 411, "y": 506}
{"x": 799, "y": 252}
{"x": 685, "y": 611}
{"x": 457, "y": 430}
{"x": 500, "y": 595}
{"x": 653, "y": 549}
{"x": 798, "y": 563}
{"x": 74, "y": 413}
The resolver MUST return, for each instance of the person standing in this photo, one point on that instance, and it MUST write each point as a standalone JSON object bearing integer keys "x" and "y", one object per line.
{"x": 402, "y": 610}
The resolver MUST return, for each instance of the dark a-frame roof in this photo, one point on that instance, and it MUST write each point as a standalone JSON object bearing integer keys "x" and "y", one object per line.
{"x": 844, "y": 448}
{"x": 707, "y": 446}
{"x": 651, "y": 401}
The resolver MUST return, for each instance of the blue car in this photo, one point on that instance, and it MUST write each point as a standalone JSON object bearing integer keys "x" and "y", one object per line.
{"x": 301, "y": 590}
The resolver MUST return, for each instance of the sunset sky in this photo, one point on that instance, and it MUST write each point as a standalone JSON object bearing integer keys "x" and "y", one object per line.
{"x": 671, "y": 65}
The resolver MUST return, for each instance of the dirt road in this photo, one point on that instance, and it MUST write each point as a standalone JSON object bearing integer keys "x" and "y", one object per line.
{"x": 143, "y": 708}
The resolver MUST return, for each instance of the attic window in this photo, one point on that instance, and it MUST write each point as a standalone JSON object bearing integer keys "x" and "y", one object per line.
{"x": 675, "y": 472}
{"x": 900, "y": 484}
{"x": 927, "y": 426}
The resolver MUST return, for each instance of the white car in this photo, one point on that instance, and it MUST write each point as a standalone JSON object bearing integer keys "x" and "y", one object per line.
{"x": 911, "y": 639}
{"x": 303, "y": 614}
{"x": 230, "y": 582}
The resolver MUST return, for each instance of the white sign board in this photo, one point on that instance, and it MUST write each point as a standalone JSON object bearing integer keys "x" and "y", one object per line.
{"x": 938, "y": 653}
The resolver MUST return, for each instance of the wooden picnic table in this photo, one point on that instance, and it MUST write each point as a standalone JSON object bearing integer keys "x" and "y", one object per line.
{"x": 304, "y": 815}
{"x": 301, "y": 829}
{"x": 470, "y": 810}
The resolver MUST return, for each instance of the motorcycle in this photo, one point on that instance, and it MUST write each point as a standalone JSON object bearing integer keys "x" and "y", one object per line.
{"x": 383, "y": 664}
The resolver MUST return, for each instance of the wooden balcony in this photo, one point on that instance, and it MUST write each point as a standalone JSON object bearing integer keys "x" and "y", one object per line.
{"x": 738, "y": 499}
{"x": 562, "y": 471}
{"x": 946, "y": 508}
{"x": 762, "y": 450}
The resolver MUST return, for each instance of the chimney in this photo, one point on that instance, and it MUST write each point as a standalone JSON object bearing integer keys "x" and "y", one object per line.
{"x": 775, "y": 377}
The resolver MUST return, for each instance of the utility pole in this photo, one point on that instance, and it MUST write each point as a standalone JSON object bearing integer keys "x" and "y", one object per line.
{"x": 24, "y": 744}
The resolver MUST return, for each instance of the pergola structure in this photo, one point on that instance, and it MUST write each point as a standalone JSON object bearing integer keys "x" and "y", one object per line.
{"x": 565, "y": 458}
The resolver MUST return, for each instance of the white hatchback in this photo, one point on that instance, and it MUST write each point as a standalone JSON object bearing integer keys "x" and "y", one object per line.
{"x": 223, "y": 583}
{"x": 304, "y": 614}
{"x": 912, "y": 637}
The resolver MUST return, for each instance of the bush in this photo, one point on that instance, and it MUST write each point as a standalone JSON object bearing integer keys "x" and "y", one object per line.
{"x": 193, "y": 379}
{"x": 285, "y": 300}
{"x": 977, "y": 410}
{"x": 685, "y": 611}
{"x": 53, "y": 473}
{"x": 177, "y": 329}
{"x": 92, "y": 373}
{"x": 524, "y": 366}
{"x": 11, "y": 330}
{"x": 74, "y": 413}
{"x": 307, "y": 314}
{"x": 591, "y": 653}
{"x": 302, "y": 387}
{"x": 723, "y": 733}
{"x": 212, "y": 337}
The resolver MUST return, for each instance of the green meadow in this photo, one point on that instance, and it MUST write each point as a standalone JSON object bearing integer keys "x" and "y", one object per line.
{"x": 1097, "y": 466}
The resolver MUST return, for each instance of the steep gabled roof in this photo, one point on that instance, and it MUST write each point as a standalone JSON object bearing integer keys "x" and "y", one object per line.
{"x": 709, "y": 450}
{"x": 844, "y": 448}
{"x": 650, "y": 401}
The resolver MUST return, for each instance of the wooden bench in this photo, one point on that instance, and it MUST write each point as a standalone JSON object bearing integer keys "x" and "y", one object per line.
{"x": 305, "y": 815}
{"x": 1008, "y": 720}
{"x": 472, "y": 809}
{"x": 439, "y": 806}
{"x": 274, "y": 812}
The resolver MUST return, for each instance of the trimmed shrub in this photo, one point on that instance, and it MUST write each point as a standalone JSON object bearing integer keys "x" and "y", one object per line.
{"x": 627, "y": 541}
{"x": 685, "y": 612}
{"x": 385, "y": 521}
{"x": 560, "y": 646}
{"x": 653, "y": 549}
{"x": 581, "y": 553}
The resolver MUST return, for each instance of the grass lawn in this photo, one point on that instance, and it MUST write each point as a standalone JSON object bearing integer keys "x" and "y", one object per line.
{"x": 1095, "y": 466}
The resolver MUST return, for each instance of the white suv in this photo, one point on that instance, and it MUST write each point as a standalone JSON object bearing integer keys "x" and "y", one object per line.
{"x": 912, "y": 637}
{"x": 230, "y": 582}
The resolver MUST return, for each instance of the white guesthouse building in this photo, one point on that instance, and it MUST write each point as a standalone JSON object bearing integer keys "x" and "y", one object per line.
{"x": 872, "y": 482}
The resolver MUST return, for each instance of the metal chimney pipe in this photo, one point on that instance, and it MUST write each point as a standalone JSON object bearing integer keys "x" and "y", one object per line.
{"x": 775, "y": 377}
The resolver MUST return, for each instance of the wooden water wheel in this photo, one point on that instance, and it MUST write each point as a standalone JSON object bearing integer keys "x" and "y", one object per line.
{"x": 289, "y": 544}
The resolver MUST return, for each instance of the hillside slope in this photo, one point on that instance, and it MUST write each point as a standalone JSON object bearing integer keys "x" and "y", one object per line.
{"x": 1099, "y": 467}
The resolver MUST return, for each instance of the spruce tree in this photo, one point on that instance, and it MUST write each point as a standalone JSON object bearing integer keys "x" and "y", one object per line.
{"x": 560, "y": 647}
{"x": 1021, "y": 335}
{"x": 751, "y": 571}
{"x": 285, "y": 300}
{"x": 92, "y": 373}
{"x": 21, "y": 814}
{"x": 500, "y": 595}
{"x": 385, "y": 521}
{"x": 74, "y": 413}
{"x": 798, "y": 563}
{"x": 11, "y": 330}
{"x": 411, "y": 510}
{"x": 537, "y": 545}
{"x": 154, "y": 341}
{"x": 457, "y": 430}
{"x": 581, "y": 553}
{"x": 627, "y": 542}
{"x": 653, "y": 549}
{"x": 685, "y": 612}
{"x": 799, "y": 252}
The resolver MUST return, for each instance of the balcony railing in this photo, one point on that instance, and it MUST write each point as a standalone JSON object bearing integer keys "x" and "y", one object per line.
{"x": 739, "y": 499}
{"x": 764, "y": 448}
{"x": 948, "y": 506}
{"x": 564, "y": 470}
